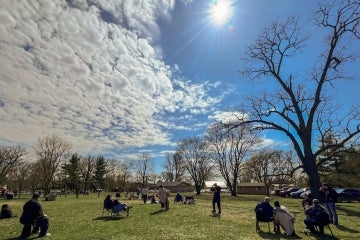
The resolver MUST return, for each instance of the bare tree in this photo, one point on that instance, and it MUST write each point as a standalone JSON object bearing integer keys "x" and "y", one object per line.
{"x": 87, "y": 169}
{"x": 51, "y": 151}
{"x": 194, "y": 152}
{"x": 302, "y": 107}
{"x": 174, "y": 168}
{"x": 21, "y": 176}
{"x": 144, "y": 168}
{"x": 269, "y": 165}
{"x": 34, "y": 178}
{"x": 229, "y": 147}
{"x": 125, "y": 172}
{"x": 112, "y": 170}
{"x": 10, "y": 158}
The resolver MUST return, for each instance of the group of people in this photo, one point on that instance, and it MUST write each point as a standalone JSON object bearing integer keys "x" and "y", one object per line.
{"x": 32, "y": 217}
{"x": 315, "y": 214}
{"x": 163, "y": 196}
{"x": 279, "y": 215}
{"x": 35, "y": 221}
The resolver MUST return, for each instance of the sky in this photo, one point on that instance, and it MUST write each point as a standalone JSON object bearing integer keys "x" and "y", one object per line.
{"x": 124, "y": 77}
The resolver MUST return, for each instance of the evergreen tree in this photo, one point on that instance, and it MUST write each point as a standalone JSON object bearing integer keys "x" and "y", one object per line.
{"x": 100, "y": 171}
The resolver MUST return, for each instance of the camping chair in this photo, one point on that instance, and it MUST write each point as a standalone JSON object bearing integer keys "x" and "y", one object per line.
{"x": 261, "y": 217}
{"x": 323, "y": 221}
{"x": 120, "y": 207}
{"x": 108, "y": 207}
{"x": 189, "y": 200}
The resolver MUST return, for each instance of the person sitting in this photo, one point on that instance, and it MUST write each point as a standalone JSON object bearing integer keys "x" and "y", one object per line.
{"x": 5, "y": 212}
{"x": 178, "y": 198}
{"x": 153, "y": 200}
{"x": 284, "y": 218}
{"x": 265, "y": 212}
{"x": 118, "y": 207}
{"x": 189, "y": 200}
{"x": 312, "y": 217}
{"x": 108, "y": 202}
{"x": 307, "y": 201}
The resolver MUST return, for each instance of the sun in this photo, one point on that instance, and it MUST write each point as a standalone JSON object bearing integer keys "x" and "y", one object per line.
{"x": 220, "y": 11}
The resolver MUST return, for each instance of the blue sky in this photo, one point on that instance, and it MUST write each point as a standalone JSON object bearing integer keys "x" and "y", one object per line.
{"x": 124, "y": 77}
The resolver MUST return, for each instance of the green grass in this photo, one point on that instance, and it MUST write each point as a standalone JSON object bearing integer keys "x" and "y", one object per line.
{"x": 80, "y": 218}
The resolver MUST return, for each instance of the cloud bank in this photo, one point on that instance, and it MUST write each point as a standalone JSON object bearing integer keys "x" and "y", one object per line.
{"x": 92, "y": 72}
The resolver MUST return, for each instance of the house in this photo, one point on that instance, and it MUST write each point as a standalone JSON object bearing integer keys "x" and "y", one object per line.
{"x": 251, "y": 188}
{"x": 209, "y": 184}
{"x": 175, "y": 186}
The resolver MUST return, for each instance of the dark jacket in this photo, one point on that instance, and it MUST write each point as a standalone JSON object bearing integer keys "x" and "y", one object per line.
{"x": 31, "y": 211}
{"x": 329, "y": 195}
{"x": 313, "y": 212}
{"x": 267, "y": 209}
{"x": 217, "y": 191}
{"x": 6, "y": 213}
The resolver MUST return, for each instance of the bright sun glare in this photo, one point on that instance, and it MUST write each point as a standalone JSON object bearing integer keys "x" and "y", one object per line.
{"x": 220, "y": 11}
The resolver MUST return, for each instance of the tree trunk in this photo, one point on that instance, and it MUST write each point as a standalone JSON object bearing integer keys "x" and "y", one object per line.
{"x": 313, "y": 174}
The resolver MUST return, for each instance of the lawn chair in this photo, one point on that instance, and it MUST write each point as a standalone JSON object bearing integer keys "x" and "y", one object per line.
{"x": 108, "y": 207}
{"x": 323, "y": 221}
{"x": 261, "y": 217}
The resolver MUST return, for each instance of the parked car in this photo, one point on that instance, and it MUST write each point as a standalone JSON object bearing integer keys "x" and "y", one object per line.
{"x": 297, "y": 193}
{"x": 286, "y": 193}
{"x": 348, "y": 195}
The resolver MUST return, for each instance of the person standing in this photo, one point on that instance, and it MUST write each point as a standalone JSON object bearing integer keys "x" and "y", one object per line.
{"x": 144, "y": 194}
{"x": 163, "y": 197}
{"x": 329, "y": 196}
{"x": 216, "y": 198}
{"x": 33, "y": 214}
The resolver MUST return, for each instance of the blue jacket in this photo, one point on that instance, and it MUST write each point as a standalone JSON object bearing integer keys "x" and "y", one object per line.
{"x": 268, "y": 210}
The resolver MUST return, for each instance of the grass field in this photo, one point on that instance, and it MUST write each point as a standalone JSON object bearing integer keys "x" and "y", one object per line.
{"x": 80, "y": 218}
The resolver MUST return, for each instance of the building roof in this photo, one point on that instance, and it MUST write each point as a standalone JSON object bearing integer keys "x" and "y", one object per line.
{"x": 250, "y": 184}
{"x": 209, "y": 184}
{"x": 172, "y": 184}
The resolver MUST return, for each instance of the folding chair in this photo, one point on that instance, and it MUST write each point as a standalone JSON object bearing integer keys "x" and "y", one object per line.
{"x": 260, "y": 217}
{"x": 323, "y": 221}
{"x": 108, "y": 207}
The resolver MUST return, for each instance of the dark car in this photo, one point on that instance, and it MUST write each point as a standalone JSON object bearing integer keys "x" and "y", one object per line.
{"x": 349, "y": 195}
{"x": 286, "y": 193}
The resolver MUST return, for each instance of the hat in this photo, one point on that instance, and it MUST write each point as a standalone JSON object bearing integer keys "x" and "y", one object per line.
{"x": 315, "y": 201}
{"x": 267, "y": 199}
{"x": 35, "y": 196}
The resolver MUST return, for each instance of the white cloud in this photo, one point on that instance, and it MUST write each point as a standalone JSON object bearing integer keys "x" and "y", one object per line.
{"x": 90, "y": 71}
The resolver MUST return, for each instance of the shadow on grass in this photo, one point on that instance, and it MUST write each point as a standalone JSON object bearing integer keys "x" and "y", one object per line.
{"x": 109, "y": 218}
{"x": 346, "y": 229}
{"x": 17, "y": 238}
{"x": 347, "y": 211}
{"x": 271, "y": 235}
{"x": 157, "y": 212}
{"x": 324, "y": 236}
